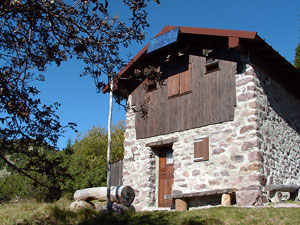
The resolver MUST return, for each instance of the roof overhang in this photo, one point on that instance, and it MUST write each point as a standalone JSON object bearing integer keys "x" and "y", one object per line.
{"x": 247, "y": 42}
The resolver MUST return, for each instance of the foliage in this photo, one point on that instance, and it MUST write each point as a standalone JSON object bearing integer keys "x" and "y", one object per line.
{"x": 12, "y": 186}
{"x": 87, "y": 164}
{"x": 58, "y": 213}
{"x": 83, "y": 165}
{"x": 2, "y": 164}
{"x": 36, "y": 33}
{"x": 17, "y": 184}
{"x": 297, "y": 57}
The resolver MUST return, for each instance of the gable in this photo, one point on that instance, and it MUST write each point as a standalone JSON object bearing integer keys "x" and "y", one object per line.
{"x": 245, "y": 42}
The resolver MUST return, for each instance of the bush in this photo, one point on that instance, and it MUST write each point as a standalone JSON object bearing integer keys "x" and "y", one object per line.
{"x": 78, "y": 166}
{"x": 13, "y": 186}
{"x": 18, "y": 186}
{"x": 87, "y": 161}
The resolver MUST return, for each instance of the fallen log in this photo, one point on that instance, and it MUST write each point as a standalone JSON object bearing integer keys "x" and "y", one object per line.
{"x": 119, "y": 194}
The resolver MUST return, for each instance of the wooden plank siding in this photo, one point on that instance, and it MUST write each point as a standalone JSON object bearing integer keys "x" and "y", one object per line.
{"x": 116, "y": 173}
{"x": 210, "y": 99}
{"x": 185, "y": 80}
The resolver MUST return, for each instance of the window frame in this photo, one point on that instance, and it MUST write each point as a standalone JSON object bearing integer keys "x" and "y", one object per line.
{"x": 149, "y": 85}
{"x": 204, "y": 152}
{"x": 211, "y": 64}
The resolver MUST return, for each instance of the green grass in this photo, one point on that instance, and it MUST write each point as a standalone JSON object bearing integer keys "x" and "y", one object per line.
{"x": 58, "y": 213}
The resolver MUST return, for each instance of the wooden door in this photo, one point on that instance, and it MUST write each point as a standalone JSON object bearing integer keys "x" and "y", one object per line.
{"x": 166, "y": 176}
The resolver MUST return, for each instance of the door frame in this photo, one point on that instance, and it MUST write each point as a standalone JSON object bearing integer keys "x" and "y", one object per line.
{"x": 157, "y": 150}
{"x": 155, "y": 146}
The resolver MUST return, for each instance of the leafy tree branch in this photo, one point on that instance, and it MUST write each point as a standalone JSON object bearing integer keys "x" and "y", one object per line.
{"x": 37, "y": 33}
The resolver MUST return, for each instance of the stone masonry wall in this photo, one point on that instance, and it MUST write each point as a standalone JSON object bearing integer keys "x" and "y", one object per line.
{"x": 235, "y": 157}
{"x": 279, "y": 129}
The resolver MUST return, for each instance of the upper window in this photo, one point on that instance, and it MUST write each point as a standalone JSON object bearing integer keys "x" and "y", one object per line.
{"x": 179, "y": 79}
{"x": 212, "y": 64}
{"x": 151, "y": 85}
{"x": 212, "y": 67}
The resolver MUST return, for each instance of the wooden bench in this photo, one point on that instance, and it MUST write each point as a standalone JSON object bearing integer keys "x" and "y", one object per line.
{"x": 275, "y": 192}
{"x": 181, "y": 200}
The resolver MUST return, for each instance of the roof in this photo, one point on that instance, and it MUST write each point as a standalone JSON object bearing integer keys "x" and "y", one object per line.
{"x": 262, "y": 54}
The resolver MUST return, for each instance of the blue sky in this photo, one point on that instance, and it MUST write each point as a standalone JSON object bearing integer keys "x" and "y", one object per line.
{"x": 276, "y": 21}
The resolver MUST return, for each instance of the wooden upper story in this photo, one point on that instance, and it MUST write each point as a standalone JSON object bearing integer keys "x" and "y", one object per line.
{"x": 197, "y": 78}
{"x": 194, "y": 93}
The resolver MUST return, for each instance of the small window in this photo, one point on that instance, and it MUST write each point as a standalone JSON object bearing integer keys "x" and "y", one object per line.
{"x": 201, "y": 149}
{"x": 151, "y": 85}
{"x": 212, "y": 67}
{"x": 209, "y": 60}
{"x": 212, "y": 64}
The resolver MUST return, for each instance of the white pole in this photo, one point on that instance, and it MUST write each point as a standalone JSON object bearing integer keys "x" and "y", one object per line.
{"x": 109, "y": 203}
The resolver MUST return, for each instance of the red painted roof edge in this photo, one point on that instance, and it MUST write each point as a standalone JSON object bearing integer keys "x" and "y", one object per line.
{"x": 190, "y": 30}
{"x": 219, "y": 32}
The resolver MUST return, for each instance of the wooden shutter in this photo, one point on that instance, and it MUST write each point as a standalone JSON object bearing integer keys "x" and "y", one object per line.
{"x": 173, "y": 85}
{"x": 201, "y": 150}
{"x": 185, "y": 80}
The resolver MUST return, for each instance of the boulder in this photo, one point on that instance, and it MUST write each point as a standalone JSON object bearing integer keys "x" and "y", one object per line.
{"x": 249, "y": 198}
{"x": 79, "y": 204}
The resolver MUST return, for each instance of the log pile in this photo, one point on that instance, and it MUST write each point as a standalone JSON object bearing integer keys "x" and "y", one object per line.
{"x": 121, "y": 196}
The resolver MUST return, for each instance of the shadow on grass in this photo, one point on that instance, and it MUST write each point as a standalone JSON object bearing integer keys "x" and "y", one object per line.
{"x": 90, "y": 217}
{"x": 149, "y": 218}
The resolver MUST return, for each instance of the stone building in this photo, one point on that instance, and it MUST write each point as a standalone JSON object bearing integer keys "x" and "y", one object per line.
{"x": 224, "y": 115}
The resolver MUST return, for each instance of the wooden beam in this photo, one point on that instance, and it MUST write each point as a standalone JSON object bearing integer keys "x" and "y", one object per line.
{"x": 233, "y": 42}
{"x": 161, "y": 142}
{"x": 226, "y": 199}
{"x": 284, "y": 188}
{"x": 202, "y": 193}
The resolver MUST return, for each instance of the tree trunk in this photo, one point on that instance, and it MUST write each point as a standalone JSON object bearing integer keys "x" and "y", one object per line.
{"x": 119, "y": 194}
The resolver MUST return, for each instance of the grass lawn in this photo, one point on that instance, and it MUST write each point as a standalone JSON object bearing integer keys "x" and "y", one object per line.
{"x": 58, "y": 213}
